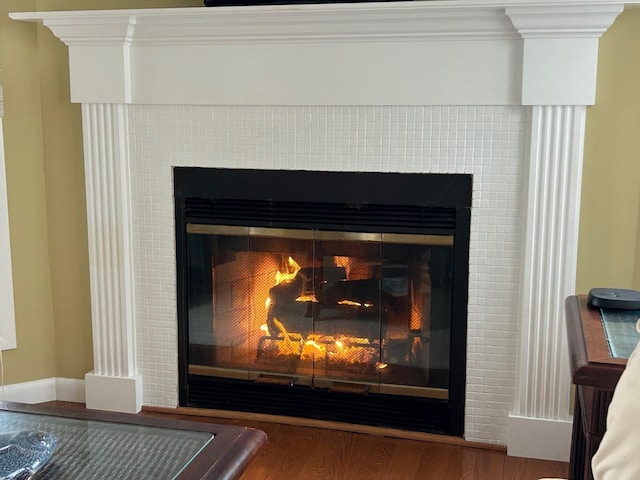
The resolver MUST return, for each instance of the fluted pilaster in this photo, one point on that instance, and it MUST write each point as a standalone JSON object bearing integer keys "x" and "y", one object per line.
{"x": 550, "y": 257}
{"x": 110, "y": 247}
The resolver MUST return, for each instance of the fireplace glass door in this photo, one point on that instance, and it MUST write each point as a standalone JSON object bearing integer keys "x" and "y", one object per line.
{"x": 344, "y": 311}
{"x": 342, "y": 297}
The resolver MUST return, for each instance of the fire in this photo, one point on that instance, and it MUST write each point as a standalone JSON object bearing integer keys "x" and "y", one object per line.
{"x": 311, "y": 297}
{"x": 312, "y": 349}
{"x": 288, "y": 343}
{"x": 351, "y": 350}
{"x": 293, "y": 269}
{"x": 351, "y": 303}
{"x": 317, "y": 347}
{"x": 314, "y": 346}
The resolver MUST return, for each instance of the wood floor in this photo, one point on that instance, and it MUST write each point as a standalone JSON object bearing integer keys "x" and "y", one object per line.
{"x": 307, "y": 453}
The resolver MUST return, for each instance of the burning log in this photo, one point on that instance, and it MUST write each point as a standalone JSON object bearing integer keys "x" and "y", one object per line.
{"x": 314, "y": 290}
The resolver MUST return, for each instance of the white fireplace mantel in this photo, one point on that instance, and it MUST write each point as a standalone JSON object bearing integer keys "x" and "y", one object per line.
{"x": 538, "y": 56}
{"x": 444, "y": 52}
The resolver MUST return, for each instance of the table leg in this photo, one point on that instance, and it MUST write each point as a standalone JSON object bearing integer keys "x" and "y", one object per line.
{"x": 578, "y": 444}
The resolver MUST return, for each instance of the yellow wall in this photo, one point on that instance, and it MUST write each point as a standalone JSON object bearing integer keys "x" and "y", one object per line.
{"x": 27, "y": 200}
{"x": 609, "y": 250}
{"x": 45, "y": 183}
{"x": 45, "y": 177}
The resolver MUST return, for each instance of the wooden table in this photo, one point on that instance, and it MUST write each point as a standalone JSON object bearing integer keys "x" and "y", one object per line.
{"x": 595, "y": 374}
{"x": 136, "y": 446}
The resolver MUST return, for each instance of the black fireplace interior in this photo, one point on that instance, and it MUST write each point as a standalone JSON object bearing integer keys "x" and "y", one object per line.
{"x": 339, "y": 296}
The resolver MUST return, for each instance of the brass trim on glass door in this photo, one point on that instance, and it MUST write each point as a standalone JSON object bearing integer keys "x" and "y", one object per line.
{"x": 401, "y": 238}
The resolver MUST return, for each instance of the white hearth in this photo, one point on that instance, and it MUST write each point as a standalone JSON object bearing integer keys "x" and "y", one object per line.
{"x": 497, "y": 89}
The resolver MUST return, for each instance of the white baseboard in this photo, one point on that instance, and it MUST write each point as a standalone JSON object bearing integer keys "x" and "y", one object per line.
{"x": 45, "y": 390}
{"x": 116, "y": 394}
{"x": 70, "y": 390}
{"x": 36, "y": 391}
{"x": 539, "y": 438}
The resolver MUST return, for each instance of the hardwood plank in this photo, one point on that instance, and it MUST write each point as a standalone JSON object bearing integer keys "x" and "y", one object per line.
{"x": 325, "y": 455}
{"x": 564, "y": 470}
{"x": 489, "y": 465}
{"x": 447, "y": 462}
{"x": 354, "y": 462}
{"x": 404, "y": 461}
{"x": 517, "y": 468}
{"x": 378, "y": 454}
{"x": 291, "y": 454}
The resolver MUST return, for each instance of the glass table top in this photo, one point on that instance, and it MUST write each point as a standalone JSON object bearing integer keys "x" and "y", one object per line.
{"x": 89, "y": 449}
{"x": 620, "y": 330}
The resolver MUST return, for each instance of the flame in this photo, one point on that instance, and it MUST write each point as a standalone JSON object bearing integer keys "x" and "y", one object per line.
{"x": 314, "y": 344}
{"x": 311, "y": 297}
{"x": 313, "y": 350}
{"x": 350, "y": 350}
{"x": 289, "y": 345}
{"x": 289, "y": 275}
{"x": 351, "y": 303}
{"x": 283, "y": 277}
{"x": 381, "y": 365}
{"x": 318, "y": 347}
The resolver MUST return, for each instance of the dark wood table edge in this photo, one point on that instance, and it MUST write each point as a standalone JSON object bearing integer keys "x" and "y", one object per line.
{"x": 590, "y": 362}
{"x": 595, "y": 374}
{"x": 233, "y": 446}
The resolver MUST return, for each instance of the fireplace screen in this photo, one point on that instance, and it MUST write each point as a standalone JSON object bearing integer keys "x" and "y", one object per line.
{"x": 346, "y": 311}
{"x": 341, "y": 297}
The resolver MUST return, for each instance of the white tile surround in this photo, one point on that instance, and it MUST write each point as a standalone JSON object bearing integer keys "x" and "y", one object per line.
{"x": 488, "y": 142}
{"x": 314, "y": 87}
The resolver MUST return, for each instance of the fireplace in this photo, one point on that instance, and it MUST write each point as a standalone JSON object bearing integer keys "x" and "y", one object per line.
{"x": 333, "y": 295}
{"x": 496, "y": 90}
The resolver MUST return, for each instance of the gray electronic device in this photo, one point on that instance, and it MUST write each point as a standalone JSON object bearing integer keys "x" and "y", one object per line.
{"x": 616, "y": 298}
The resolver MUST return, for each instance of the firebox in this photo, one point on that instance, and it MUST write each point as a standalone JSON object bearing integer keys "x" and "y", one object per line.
{"x": 339, "y": 296}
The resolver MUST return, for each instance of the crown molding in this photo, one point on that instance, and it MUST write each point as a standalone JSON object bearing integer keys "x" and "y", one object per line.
{"x": 563, "y": 20}
{"x": 355, "y": 22}
{"x": 362, "y": 22}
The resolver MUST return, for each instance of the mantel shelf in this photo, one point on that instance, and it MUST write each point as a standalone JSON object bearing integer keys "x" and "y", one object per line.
{"x": 372, "y": 53}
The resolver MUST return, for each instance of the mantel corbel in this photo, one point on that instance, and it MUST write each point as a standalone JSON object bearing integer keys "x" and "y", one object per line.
{"x": 560, "y": 50}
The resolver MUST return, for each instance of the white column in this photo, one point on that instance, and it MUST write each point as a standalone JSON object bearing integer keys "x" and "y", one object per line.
{"x": 559, "y": 68}
{"x": 114, "y": 383}
{"x": 539, "y": 424}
